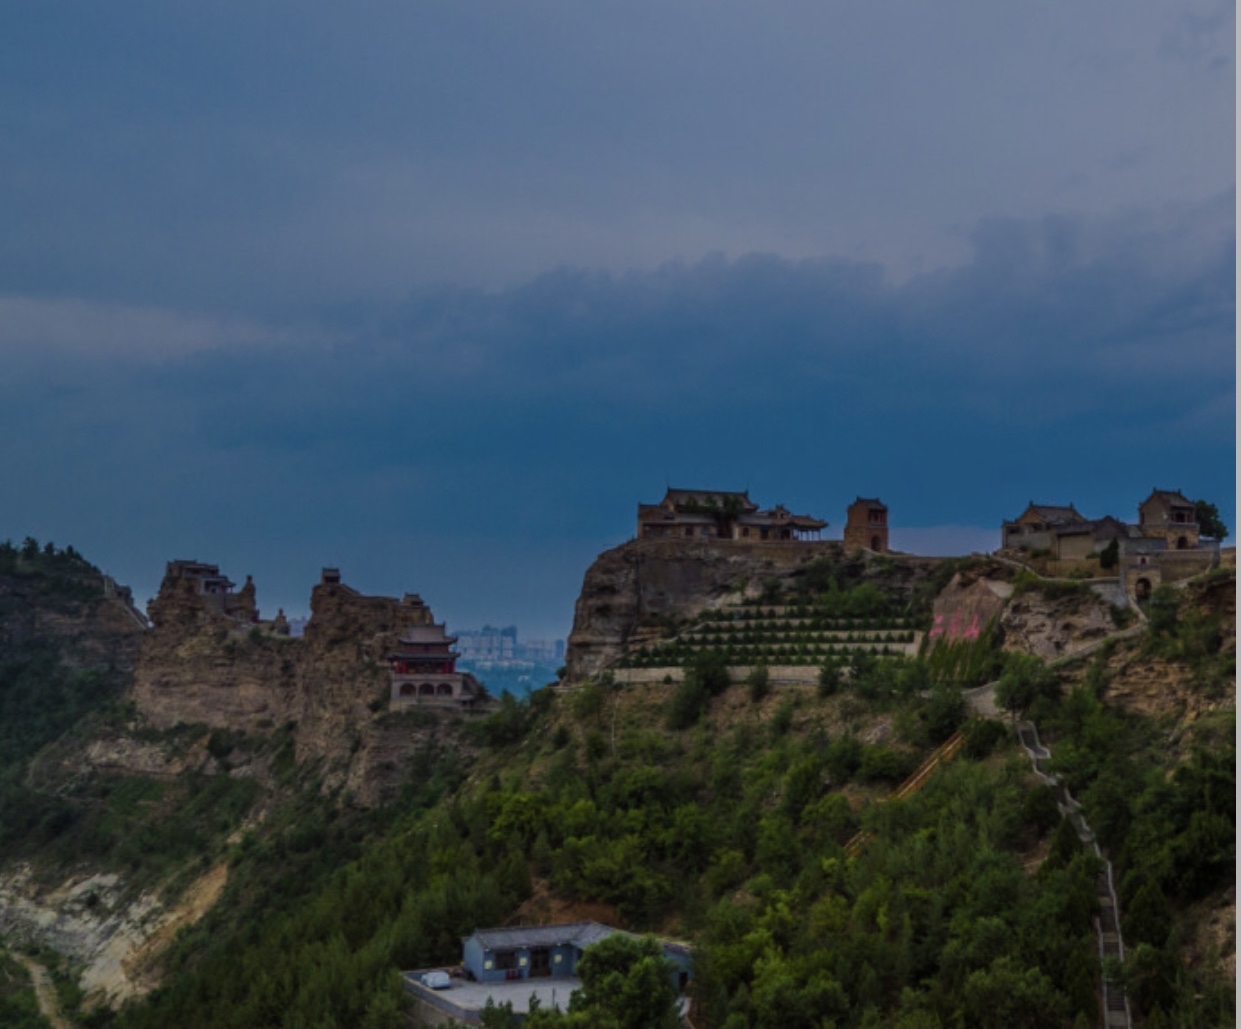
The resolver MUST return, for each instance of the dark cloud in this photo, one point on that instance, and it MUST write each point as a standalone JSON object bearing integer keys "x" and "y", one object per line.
{"x": 229, "y": 157}
{"x": 1067, "y": 359}
{"x": 285, "y": 284}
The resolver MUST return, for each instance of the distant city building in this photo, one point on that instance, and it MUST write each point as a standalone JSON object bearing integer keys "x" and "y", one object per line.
{"x": 717, "y": 514}
{"x": 490, "y": 647}
{"x": 543, "y": 652}
{"x": 488, "y": 644}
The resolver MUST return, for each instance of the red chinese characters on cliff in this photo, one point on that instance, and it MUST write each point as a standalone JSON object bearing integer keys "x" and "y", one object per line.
{"x": 956, "y": 629}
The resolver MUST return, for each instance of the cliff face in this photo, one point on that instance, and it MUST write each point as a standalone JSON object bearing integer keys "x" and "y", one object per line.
{"x": 1031, "y": 621}
{"x": 199, "y": 666}
{"x": 645, "y": 588}
{"x": 644, "y": 585}
{"x": 77, "y": 611}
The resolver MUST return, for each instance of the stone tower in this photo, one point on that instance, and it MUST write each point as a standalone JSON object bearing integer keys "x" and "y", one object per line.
{"x": 866, "y": 527}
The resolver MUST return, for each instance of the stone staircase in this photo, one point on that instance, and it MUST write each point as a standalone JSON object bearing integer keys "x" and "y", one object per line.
{"x": 1116, "y": 1014}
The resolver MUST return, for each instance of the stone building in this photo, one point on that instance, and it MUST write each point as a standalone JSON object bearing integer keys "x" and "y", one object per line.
{"x": 719, "y": 514}
{"x": 543, "y": 951}
{"x": 1169, "y": 515}
{"x": 213, "y": 590}
{"x": 1033, "y": 528}
{"x": 1084, "y": 539}
{"x": 1063, "y": 532}
{"x": 866, "y": 525}
{"x": 423, "y": 666}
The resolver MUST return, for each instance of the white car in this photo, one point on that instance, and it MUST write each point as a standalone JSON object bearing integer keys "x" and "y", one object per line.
{"x": 436, "y": 980}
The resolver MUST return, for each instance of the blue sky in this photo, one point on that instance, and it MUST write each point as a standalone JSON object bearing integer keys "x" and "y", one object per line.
{"x": 438, "y": 292}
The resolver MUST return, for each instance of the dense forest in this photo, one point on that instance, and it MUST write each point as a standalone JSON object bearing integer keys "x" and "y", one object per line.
{"x": 716, "y": 813}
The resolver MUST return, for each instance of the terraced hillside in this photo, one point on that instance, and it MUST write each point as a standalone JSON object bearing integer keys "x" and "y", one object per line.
{"x": 778, "y": 634}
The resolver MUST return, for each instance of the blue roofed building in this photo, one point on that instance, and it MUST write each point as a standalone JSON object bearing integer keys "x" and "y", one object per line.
{"x": 508, "y": 964}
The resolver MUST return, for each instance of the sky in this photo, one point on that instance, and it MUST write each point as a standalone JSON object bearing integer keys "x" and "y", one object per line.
{"x": 437, "y": 292}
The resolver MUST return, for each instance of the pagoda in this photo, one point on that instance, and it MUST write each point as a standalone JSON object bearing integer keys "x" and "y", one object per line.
{"x": 423, "y": 667}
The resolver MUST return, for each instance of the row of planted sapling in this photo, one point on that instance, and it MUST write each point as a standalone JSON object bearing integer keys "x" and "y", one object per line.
{"x": 707, "y": 636}
{"x": 784, "y": 616}
{"x": 676, "y": 656}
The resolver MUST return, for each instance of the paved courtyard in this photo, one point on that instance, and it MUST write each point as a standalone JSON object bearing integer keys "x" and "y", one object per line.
{"x": 472, "y": 996}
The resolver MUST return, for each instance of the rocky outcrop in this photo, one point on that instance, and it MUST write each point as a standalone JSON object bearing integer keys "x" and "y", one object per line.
{"x": 967, "y": 605}
{"x": 645, "y": 587}
{"x": 199, "y": 666}
{"x": 1055, "y": 625}
{"x": 115, "y": 938}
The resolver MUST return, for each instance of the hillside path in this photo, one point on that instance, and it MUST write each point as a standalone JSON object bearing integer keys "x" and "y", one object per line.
{"x": 49, "y": 1003}
{"x": 1107, "y": 924}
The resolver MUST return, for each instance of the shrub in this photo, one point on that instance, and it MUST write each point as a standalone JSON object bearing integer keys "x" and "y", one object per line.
{"x": 982, "y": 736}
{"x": 782, "y": 720}
{"x": 710, "y": 668}
{"x": 1025, "y": 680}
{"x": 688, "y": 702}
{"x": 829, "y": 678}
{"x": 884, "y": 763}
{"x": 759, "y": 682}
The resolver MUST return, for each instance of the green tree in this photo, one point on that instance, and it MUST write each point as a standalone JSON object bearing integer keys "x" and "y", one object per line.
{"x": 626, "y": 983}
{"x": 498, "y": 1016}
{"x": 829, "y": 679}
{"x": 1162, "y": 611}
{"x": 1008, "y": 995}
{"x": 1025, "y": 679}
{"x": 1109, "y": 556}
{"x": 1147, "y": 917}
{"x": 945, "y": 712}
{"x": 710, "y": 668}
{"x": 1209, "y": 522}
{"x": 759, "y": 682}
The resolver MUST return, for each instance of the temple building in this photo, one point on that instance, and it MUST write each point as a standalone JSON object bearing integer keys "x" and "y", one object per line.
{"x": 1167, "y": 521}
{"x": 866, "y": 525}
{"x": 424, "y": 670}
{"x": 1033, "y": 528}
{"x": 716, "y": 514}
{"x": 1170, "y": 516}
{"x": 213, "y": 588}
{"x": 1062, "y": 532}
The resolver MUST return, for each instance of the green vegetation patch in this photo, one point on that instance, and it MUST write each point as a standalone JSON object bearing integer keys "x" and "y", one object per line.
{"x": 19, "y": 1007}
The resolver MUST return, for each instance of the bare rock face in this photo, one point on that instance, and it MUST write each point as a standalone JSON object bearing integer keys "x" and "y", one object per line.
{"x": 966, "y": 606}
{"x": 114, "y": 937}
{"x": 1051, "y": 627}
{"x": 201, "y": 666}
{"x": 640, "y": 582}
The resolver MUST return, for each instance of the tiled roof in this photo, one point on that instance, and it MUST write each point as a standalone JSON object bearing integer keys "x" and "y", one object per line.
{"x": 427, "y": 634}
{"x": 1172, "y": 496}
{"x": 1055, "y": 513}
{"x": 683, "y": 496}
{"x": 806, "y": 522}
{"x": 580, "y": 934}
